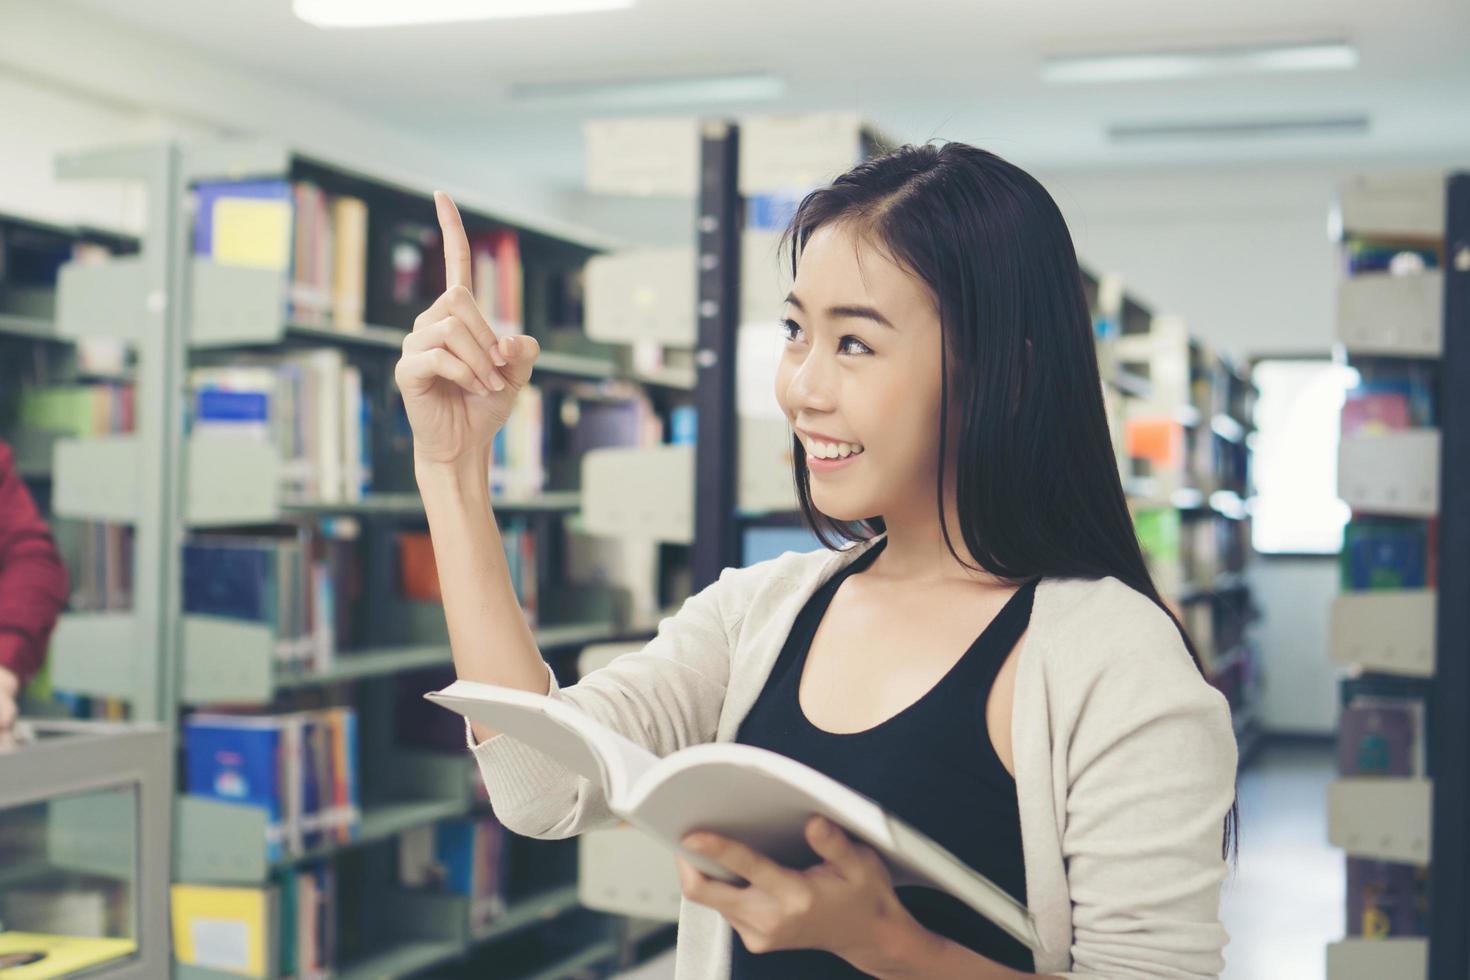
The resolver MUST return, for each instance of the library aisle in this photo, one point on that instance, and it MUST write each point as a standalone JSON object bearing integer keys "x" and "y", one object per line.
{"x": 1197, "y": 286}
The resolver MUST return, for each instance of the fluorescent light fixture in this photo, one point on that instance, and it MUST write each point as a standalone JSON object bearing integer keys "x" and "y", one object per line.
{"x": 639, "y": 92}
{"x": 1203, "y": 63}
{"x": 396, "y": 13}
{"x": 1238, "y": 129}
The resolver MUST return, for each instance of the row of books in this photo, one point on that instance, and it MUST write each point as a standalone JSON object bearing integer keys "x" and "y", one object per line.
{"x": 1381, "y": 734}
{"x": 287, "y": 928}
{"x": 319, "y": 240}
{"x": 99, "y": 563}
{"x": 300, "y": 581}
{"x": 343, "y": 266}
{"x": 1175, "y": 455}
{"x": 1390, "y": 398}
{"x": 31, "y": 257}
{"x": 1396, "y": 256}
{"x": 300, "y": 768}
{"x": 418, "y": 575}
{"x": 309, "y": 405}
{"x": 77, "y": 410}
{"x": 463, "y": 856}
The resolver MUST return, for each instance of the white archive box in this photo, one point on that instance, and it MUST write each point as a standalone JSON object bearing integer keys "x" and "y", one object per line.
{"x": 1391, "y": 630}
{"x": 1380, "y": 817}
{"x": 1378, "y": 959}
{"x": 1390, "y": 473}
{"x": 620, "y": 869}
{"x": 650, "y": 157}
{"x": 1393, "y": 205}
{"x": 765, "y": 466}
{"x": 1378, "y": 313}
{"x": 798, "y": 151}
{"x": 643, "y": 295}
{"x": 624, "y": 871}
{"x": 764, "y": 278}
{"x": 643, "y": 492}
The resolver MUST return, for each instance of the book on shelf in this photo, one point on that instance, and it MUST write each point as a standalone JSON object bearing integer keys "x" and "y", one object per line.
{"x": 300, "y": 768}
{"x": 753, "y": 795}
{"x": 518, "y": 451}
{"x": 462, "y": 856}
{"x": 1386, "y": 899}
{"x": 302, "y": 582}
{"x": 309, "y": 405}
{"x": 418, "y": 575}
{"x": 1387, "y": 553}
{"x": 286, "y": 929}
{"x": 318, "y": 241}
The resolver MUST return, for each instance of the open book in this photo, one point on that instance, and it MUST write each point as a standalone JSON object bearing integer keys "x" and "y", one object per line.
{"x": 758, "y": 797}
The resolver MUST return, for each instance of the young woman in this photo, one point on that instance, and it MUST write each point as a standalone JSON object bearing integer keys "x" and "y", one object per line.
{"x": 986, "y": 656}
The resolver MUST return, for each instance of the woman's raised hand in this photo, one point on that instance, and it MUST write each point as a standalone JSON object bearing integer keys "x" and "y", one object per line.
{"x": 459, "y": 381}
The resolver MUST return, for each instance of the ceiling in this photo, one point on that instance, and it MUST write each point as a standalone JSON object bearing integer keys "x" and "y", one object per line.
{"x": 917, "y": 69}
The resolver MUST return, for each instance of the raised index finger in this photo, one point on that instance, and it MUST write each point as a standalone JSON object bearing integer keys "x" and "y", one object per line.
{"x": 456, "y": 245}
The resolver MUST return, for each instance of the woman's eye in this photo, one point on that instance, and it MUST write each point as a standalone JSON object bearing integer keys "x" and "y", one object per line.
{"x": 789, "y": 329}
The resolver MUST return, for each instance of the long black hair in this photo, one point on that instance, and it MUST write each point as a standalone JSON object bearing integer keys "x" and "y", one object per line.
{"x": 1038, "y": 487}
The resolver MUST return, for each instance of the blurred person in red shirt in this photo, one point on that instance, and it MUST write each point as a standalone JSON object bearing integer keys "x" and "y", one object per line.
{"x": 33, "y": 586}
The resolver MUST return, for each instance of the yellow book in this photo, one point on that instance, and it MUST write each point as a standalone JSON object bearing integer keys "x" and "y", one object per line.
{"x": 225, "y": 928}
{"x": 253, "y": 232}
{"x": 38, "y": 956}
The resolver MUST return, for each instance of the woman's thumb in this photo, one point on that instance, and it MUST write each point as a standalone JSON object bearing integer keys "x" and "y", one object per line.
{"x": 520, "y": 352}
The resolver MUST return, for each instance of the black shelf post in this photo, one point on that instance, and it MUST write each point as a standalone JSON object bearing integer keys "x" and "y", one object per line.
{"x": 716, "y": 478}
{"x": 1449, "y": 900}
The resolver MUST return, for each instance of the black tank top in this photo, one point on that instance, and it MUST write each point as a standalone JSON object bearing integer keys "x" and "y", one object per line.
{"x": 932, "y": 765}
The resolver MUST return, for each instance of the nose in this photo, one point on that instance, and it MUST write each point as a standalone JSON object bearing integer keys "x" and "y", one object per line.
{"x": 810, "y": 385}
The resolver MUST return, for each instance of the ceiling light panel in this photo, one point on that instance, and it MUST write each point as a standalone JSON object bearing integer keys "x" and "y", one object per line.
{"x": 1202, "y": 63}
{"x": 397, "y": 13}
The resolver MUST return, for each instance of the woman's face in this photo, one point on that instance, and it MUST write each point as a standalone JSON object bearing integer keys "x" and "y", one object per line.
{"x": 861, "y": 365}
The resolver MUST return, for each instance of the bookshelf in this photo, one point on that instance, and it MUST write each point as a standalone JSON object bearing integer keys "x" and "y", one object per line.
{"x": 1181, "y": 417}
{"x": 179, "y": 311}
{"x": 1398, "y": 808}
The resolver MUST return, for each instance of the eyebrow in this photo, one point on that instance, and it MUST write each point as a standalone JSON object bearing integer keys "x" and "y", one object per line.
{"x": 864, "y": 312}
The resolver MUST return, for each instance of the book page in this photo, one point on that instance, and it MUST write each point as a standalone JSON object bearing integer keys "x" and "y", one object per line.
{"x": 758, "y": 797}
{"x": 763, "y": 799}
{"x": 571, "y": 737}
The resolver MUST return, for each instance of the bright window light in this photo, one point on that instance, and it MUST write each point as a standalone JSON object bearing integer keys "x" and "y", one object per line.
{"x": 1171, "y": 65}
{"x": 389, "y": 13}
{"x": 1296, "y": 509}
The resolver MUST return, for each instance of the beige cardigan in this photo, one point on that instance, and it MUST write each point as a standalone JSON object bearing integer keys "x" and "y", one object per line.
{"x": 1124, "y": 756}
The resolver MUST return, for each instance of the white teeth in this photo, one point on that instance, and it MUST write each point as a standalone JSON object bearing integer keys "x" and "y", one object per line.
{"x": 833, "y": 450}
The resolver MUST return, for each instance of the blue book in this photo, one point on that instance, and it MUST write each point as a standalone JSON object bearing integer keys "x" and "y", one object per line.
{"x": 1384, "y": 554}
{"x": 454, "y": 849}
{"x": 236, "y": 581}
{"x": 354, "y": 793}
{"x": 238, "y": 759}
{"x": 216, "y": 405}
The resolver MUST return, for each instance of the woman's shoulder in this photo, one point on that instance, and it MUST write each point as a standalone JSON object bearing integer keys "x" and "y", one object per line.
{"x": 771, "y": 579}
{"x": 1090, "y": 626}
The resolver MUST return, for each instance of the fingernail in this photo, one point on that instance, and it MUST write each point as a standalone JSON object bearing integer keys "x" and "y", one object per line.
{"x": 496, "y": 356}
{"x": 498, "y": 384}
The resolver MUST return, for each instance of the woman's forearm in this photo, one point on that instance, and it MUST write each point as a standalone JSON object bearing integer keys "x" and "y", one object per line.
{"x": 488, "y": 634}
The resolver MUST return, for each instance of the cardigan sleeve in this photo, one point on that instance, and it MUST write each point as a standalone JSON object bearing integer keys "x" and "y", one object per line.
{"x": 664, "y": 697}
{"x": 1152, "y": 763}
